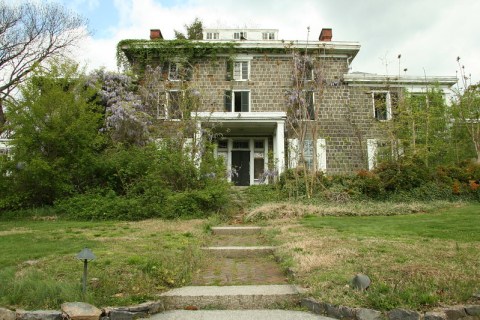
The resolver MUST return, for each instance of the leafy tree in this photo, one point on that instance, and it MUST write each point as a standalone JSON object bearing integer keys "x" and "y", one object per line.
{"x": 194, "y": 31}
{"x": 421, "y": 127}
{"x": 30, "y": 33}
{"x": 466, "y": 109}
{"x": 55, "y": 135}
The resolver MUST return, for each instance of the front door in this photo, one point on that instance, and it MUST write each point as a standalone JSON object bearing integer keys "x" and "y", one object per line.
{"x": 241, "y": 168}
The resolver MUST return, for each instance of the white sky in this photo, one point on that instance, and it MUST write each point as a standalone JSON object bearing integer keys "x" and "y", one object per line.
{"x": 429, "y": 34}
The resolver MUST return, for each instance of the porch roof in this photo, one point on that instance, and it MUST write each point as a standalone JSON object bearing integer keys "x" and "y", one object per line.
{"x": 242, "y": 123}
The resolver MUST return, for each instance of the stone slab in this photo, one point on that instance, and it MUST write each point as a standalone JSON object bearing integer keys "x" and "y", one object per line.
{"x": 231, "y": 297}
{"x": 81, "y": 311}
{"x": 237, "y": 315}
{"x": 39, "y": 315}
{"x": 228, "y": 230}
{"x": 236, "y": 252}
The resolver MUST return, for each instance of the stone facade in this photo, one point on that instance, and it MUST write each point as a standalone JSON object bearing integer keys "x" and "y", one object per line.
{"x": 345, "y": 119}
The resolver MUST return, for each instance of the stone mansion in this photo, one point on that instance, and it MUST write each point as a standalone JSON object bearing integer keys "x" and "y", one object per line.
{"x": 244, "y": 97}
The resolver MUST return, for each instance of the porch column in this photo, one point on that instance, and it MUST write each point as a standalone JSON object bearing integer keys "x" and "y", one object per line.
{"x": 280, "y": 146}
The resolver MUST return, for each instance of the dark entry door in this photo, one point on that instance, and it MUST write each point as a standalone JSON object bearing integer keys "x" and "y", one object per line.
{"x": 241, "y": 164}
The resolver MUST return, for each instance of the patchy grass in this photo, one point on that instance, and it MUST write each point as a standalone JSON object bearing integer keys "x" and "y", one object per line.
{"x": 135, "y": 260}
{"x": 416, "y": 261}
{"x": 295, "y": 210}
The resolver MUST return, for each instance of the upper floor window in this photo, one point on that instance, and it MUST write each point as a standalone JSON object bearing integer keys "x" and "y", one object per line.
{"x": 241, "y": 70}
{"x": 268, "y": 36}
{"x": 382, "y": 105}
{"x": 178, "y": 71}
{"x": 172, "y": 109}
{"x": 213, "y": 35}
{"x": 310, "y": 105}
{"x": 237, "y": 101}
{"x": 240, "y": 35}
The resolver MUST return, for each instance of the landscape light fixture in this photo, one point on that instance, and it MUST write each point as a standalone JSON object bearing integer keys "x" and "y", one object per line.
{"x": 85, "y": 255}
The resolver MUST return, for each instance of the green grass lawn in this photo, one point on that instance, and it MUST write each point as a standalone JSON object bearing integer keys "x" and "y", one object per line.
{"x": 417, "y": 261}
{"x": 458, "y": 224}
{"x": 135, "y": 260}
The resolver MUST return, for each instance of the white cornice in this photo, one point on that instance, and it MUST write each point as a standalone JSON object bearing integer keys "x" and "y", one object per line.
{"x": 362, "y": 79}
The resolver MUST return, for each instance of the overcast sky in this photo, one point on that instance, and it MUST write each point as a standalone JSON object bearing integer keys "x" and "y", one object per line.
{"x": 429, "y": 34}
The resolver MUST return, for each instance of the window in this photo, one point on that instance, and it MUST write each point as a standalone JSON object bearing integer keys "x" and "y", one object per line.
{"x": 240, "y": 70}
{"x": 213, "y": 36}
{"x": 237, "y": 101}
{"x": 173, "y": 105}
{"x": 268, "y": 36}
{"x": 382, "y": 105}
{"x": 173, "y": 73}
{"x": 178, "y": 71}
{"x": 306, "y": 157}
{"x": 310, "y": 105}
{"x": 240, "y": 35}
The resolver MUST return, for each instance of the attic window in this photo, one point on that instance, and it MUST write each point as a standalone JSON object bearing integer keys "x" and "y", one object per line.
{"x": 240, "y": 35}
{"x": 268, "y": 36}
{"x": 213, "y": 35}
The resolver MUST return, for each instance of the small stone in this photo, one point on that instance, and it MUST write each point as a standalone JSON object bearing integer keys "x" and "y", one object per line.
{"x": 361, "y": 282}
{"x": 368, "y": 314}
{"x": 346, "y": 312}
{"x": 402, "y": 314}
{"x": 473, "y": 310}
{"x": 455, "y": 313}
{"x": 333, "y": 311}
{"x": 126, "y": 315}
{"x": 81, "y": 311}
{"x": 39, "y": 315}
{"x": 191, "y": 308}
{"x": 6, "y": 314}
{"x": 435, "y": 316}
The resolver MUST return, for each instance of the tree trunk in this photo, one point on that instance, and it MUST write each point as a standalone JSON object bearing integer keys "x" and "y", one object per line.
{"x": 2, "y": 118}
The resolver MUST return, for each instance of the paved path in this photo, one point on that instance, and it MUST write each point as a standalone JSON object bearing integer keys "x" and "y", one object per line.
{"x": 237, "y": 315}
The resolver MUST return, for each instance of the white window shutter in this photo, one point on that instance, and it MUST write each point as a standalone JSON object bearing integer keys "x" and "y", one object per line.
{"x": 321, "y": 155}
{"x": 372, "y": 153}
{"x": 389, "y": 106}
{"x": 292, "y": 153}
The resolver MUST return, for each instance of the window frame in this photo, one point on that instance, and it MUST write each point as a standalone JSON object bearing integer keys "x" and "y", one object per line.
{"x": 388, "y": 105}
{"x": 230, "y": 98}
{"x": 241, "y": 70}
{"x": 168, "y": 112}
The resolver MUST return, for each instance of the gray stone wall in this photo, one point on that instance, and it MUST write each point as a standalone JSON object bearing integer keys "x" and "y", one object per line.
{"x": 345, "y": 113}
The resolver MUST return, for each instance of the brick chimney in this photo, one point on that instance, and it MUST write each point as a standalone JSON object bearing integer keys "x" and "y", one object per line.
{"x": 155, "y": 34}
{"x": 325, "y": 35}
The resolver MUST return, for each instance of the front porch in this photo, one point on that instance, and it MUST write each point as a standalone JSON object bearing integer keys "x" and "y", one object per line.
{"x": 245, "y": 140}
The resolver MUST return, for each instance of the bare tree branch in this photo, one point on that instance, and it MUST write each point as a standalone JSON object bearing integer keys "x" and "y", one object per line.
{"x": 31, "y": 33}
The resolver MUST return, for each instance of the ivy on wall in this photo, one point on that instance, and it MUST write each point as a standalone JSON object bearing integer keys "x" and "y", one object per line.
{"x": 132, "y": 53}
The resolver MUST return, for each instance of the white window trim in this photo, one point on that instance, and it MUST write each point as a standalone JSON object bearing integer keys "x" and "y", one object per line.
{"x": 232, "y": 102}
{"x": 372, "y": 146}
{"x": 321, "y": 154}
{"x": 388, "y": 104}
{"x": 170, "y": 71}
{"x": 241, "y": 69}
{"x": 167, "y": 106}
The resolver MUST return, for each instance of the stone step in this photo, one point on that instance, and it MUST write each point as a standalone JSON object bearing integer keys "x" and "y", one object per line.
{"x": 239, "y": 252}
{"x": 237, "y": 314}
{"x": 231, "y": 297}
{"x": 228, "y": 230}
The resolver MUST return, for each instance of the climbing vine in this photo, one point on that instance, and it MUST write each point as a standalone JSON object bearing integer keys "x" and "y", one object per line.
{"x": 153, "y": 52}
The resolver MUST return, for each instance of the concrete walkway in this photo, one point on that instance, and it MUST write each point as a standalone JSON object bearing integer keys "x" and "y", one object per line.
{"x": 237, "y": 315}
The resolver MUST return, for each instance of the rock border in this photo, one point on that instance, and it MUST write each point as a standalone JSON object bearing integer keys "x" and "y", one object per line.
{"x": 467, "y": 312}
{"x": 143, "y": 310}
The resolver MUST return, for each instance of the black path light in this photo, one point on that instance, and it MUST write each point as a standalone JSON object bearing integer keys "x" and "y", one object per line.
{"x": 85, "y": 255}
